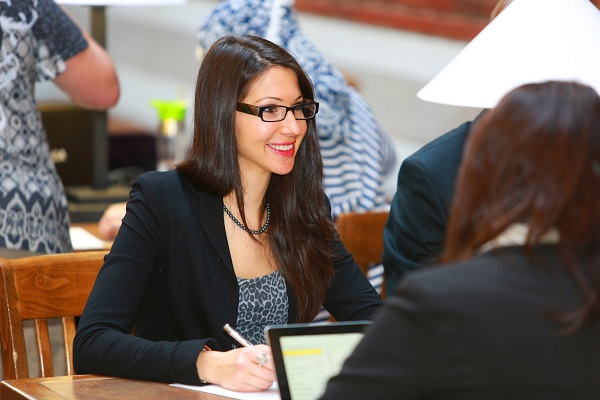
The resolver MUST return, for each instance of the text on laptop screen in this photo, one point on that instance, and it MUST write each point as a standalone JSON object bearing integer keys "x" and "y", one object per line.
{"x": 312, "y": 359}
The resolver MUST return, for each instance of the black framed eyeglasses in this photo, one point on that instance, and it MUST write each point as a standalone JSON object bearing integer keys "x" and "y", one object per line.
{"x": 304, "y": 110}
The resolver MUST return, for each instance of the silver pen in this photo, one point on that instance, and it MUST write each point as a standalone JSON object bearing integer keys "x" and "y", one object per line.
{"x": 261, "y": 359}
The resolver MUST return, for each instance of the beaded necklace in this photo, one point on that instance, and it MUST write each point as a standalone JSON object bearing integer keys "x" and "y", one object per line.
{"x": 243, "y": 227}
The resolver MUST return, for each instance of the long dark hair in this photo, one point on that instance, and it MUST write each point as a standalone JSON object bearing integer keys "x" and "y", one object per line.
{"x": 535, "y": 158}
{"x": 301, "y": 232}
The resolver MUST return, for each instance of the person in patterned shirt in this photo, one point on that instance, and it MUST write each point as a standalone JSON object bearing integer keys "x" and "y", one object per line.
{"x": 40, "y": 42}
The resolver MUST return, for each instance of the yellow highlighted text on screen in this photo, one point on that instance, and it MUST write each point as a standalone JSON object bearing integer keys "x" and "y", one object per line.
{"x": 302, "y": 352}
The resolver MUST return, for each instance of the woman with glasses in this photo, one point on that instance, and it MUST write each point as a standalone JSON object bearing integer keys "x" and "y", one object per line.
{"x": 240, "y": 234}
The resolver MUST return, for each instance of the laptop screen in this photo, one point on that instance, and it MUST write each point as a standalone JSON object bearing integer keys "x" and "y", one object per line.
{"x": 307, "y": 355}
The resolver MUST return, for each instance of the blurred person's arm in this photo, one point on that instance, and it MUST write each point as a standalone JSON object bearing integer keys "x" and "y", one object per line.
{"x": 90, "y": 78}
{"x": 416, "y": 228}
{"x": 109, "y": 224}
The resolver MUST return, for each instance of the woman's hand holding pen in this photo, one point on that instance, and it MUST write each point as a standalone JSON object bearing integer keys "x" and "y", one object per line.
{"x": 237, "y": 369}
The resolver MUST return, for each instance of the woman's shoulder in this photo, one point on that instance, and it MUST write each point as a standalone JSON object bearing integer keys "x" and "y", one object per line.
{"x": 461, "y": 277}
{"x": 167, "y": 184}
{"x": 159, "y": 179}
{"x": 171, "y": 186}
{"x": 485, "y": 275}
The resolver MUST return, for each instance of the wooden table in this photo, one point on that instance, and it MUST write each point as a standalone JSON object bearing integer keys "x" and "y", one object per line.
{"x": 94, "y": 387}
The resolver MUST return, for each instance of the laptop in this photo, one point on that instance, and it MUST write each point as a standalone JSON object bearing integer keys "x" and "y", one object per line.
{"x": 307, "y": 355}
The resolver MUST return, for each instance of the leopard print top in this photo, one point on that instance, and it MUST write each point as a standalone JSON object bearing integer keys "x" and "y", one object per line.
{"x": 262, "y": 301}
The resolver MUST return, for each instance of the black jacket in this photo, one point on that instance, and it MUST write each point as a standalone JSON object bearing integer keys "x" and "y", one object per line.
{"x": 170, "y": 278}
{"x": 477, "y": 330}
{"x": 415, "y": 230}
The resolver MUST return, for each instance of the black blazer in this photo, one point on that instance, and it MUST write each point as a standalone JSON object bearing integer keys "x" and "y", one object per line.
{"x": 416, "y": 227}
{"x": 170, "y": 278}
{"x": 477, "y": 330}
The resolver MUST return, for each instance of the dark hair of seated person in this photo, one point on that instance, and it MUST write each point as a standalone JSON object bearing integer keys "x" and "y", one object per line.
{"x": 301, "y": 238}
{"x": 535, "y": 158}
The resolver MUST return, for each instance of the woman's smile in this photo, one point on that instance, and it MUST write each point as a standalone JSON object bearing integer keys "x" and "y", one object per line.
{"x": 286, "y": 150}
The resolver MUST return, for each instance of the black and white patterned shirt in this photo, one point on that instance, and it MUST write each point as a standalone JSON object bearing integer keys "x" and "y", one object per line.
{"x": 37, "y": 37}
{"x": 262, "y": 301}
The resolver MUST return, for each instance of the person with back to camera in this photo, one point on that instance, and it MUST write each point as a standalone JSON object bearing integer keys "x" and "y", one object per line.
{"x": 41, "y": 42}
{"x": 415, "y": 231}
{"x": 515, "y": 313}
{"x": 240, "y": 233}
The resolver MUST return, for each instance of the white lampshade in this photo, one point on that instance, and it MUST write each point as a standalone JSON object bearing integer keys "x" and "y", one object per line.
{"x": 530, "y": 41}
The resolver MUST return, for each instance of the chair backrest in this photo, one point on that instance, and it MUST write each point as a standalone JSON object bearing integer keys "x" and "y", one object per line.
{"x": 39, "y": 288}
{"x": 362, "y": 235}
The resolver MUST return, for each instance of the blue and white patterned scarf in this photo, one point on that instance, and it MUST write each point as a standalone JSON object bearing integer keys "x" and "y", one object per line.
{"x": 357, "y": 154}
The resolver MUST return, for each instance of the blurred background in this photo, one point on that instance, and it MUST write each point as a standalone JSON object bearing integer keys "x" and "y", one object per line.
{"x": 389, "y": 49}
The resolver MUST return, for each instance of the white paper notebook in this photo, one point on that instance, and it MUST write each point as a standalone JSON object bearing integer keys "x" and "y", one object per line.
{"x": 83, "y": 240}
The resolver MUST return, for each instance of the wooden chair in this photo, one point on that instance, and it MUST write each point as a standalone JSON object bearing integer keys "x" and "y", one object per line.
{"x": 39, "y": 288}
{"x": 362, "y": 235}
